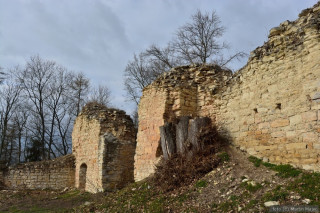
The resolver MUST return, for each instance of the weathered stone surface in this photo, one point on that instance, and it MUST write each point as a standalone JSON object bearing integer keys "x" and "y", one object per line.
{"x": 269, "y": 107}
{"x": 103, "y": 142}
{"x": 51, "y": 174}
{"x": 280, "y": 123}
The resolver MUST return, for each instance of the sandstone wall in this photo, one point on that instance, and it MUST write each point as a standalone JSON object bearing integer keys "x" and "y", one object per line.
{"x": 103, "y": 143}
{"x": 53, "y": 174}
{"x": 149, "y": 134}
{"x": 119, "y": 162}
{"x": 271, "y": 107}
{"x": 173, "y": 94}
{"x": 86, "y": 148}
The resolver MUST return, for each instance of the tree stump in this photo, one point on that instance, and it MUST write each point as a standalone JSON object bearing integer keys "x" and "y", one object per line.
{"x": 183, "y": 137}
{"x": 168, "y": 144}
{"x": 182, "y": 134}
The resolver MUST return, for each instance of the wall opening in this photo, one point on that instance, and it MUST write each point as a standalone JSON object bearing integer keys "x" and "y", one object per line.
{"x": 83, "y": 176}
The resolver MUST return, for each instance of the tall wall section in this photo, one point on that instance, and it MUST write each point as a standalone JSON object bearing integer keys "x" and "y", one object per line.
{"x": 271, "y": 107}
{"x": 177, "y": 93}
{"x": 51, "y": 174}
{"x": 85, "y": 146}
{"x": 103, "y": 142}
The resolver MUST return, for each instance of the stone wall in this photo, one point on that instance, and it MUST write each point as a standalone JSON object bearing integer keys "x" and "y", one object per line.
{"x": 174, "y": 94}
{"x": 103, "y": 142}
{"x": 53, "y": 174}
{"x": 271, "y": 107}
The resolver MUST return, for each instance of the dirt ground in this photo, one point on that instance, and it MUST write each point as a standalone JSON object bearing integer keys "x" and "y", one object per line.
{"x": 240, "y": 184}
{"x": 45, "y": 200}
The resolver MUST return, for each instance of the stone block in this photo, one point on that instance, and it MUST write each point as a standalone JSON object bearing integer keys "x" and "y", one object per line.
{"x": 280, "y": 123}
{"x": 264, "y": 125}
{"x": 296, "y": 146}
{"x": 296, "y": 119}
{"x": 310, "y": 137}
{"x": 309, "y": 116}
{"x": 278, "y": 134}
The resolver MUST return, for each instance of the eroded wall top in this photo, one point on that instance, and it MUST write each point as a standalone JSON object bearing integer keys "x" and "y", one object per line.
{"x": 270, "y": 108}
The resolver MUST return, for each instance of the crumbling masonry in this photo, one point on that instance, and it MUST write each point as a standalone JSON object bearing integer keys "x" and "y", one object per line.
{"x": 103, "y": 142}
{"x": 270, "y": 108}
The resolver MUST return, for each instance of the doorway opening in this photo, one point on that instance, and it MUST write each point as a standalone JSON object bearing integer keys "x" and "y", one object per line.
{"x": 83, "y": 176}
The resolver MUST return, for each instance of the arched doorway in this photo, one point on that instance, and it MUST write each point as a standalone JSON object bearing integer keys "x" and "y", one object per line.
{"x": 83, "y": 176}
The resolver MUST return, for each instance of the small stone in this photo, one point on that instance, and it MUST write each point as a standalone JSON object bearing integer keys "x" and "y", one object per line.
{"x": 245, "y": 180}
{"x": 271, "y": 203}
{"x": 87, "y": 203}
{"x": 295, "y": 197}
{"x": 252, "y": 183}
{"x": 306, "y": 201}
{"x": 239, "y": 208}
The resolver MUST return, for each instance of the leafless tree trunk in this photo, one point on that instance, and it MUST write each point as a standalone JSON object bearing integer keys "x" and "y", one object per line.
{"x": 197, "y": 41}
{"x": 35, "y": 81}
{"x": 9, "y": 96}
{"x": 20, "y": 121}
{"x": 101, "y": 95}
{"x": 80, "y": 87}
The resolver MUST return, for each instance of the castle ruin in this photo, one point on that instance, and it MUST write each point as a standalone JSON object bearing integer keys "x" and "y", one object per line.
{"x": 103, "y": 147}
{"x": 270, "y": 108}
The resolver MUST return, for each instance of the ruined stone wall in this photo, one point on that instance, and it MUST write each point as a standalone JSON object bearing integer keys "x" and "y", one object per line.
{"x": 173, "y": 94}
{"x": 119, "y": 162}
{"x": 53, "y": 174}
{"x": 149, "y": 133}
{"x": 103, "y": 142}
{"x": 271, "y": 107}
{"x": 85, "y": 147}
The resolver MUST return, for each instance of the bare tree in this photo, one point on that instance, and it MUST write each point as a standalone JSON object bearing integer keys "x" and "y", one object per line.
{"x": 2, "y": 75}
{"x": 20, "y": 121}
{"x": 137, "y": 76}
{"x": 79, "y": 90}
{"x": 161, "y": 59}
{"x": 55, "y": 103}
{"x": 38, "y": 106}
{"x": 35, "y": 80}
{"x": 9, "y": 97}
{"x": 197, "y": 41}
{"x": 101, "y": 94}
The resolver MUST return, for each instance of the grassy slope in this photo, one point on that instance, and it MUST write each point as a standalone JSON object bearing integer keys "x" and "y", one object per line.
{"x": 241, "y": 183}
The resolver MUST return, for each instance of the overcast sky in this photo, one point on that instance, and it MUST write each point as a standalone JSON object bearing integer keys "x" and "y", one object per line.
{"x": 98, "y": 37}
